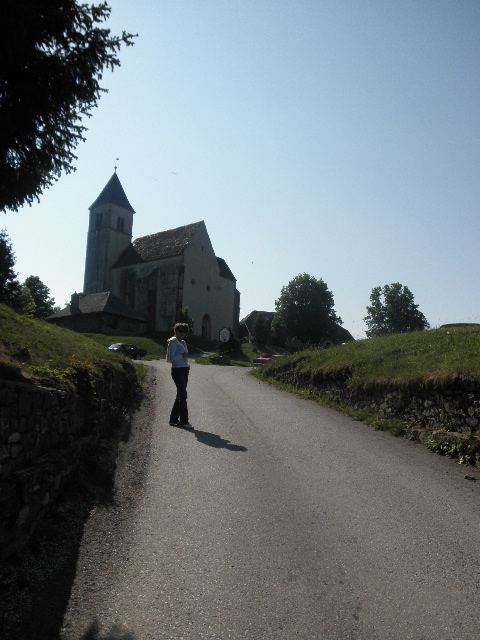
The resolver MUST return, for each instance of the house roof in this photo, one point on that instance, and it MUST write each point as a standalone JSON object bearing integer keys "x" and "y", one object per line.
{"x": 252, "y": 316}
{"x": 224, "y": 269}
{"x": 105, "y": 302}
{"x": 113, "y": 193}
{"x": 157, "y": 246}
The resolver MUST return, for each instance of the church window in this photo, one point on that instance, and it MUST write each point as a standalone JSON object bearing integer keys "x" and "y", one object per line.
{"x": 208, "y": 287}
{"x": 98, "y": 221}
{"x": 206, "y": 327}
{"x": 120, "y": 223}
{"x": 193, "y": 281}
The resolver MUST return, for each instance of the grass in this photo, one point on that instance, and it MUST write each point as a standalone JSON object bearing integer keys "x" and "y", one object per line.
{"x": 38, "y": 349}
{"x": 425, "y": 358}
{"x": 436, "y": 355}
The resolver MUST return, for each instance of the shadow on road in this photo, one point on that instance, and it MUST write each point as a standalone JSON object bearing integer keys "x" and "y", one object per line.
{"x": 115, "y": 633}
{"x": 213, "y": 440}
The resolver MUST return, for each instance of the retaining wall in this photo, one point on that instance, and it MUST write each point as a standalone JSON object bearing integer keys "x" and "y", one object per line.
{"x": 433, "y": 406}
{"x": 44, "y": 433}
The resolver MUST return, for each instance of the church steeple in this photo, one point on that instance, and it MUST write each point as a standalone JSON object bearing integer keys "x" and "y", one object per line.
{"x": 109, "y": 234}
{"x": 113, "y": 193}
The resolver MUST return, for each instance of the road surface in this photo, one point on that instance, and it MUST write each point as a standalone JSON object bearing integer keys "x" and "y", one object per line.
{"x": 278, "y": 519}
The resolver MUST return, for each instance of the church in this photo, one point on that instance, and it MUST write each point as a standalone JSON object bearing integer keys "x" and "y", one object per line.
{"x": 141, "y": 286}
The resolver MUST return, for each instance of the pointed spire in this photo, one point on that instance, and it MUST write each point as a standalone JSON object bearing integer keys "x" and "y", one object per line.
{"x": 113, "y": 193}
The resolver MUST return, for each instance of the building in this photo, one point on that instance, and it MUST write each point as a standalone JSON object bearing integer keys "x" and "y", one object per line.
{"x": 154, "y": 277}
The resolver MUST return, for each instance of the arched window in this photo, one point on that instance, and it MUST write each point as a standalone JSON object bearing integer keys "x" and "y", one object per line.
{"x": 206, "y": 327}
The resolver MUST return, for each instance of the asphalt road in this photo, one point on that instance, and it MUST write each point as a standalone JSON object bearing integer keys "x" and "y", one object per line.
{"x": 278, "y": 519}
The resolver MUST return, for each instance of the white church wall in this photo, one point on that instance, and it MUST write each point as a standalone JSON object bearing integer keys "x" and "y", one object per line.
{"x": 204, "y": 291}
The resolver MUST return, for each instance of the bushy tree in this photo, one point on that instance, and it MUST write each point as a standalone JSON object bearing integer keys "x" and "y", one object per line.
{"x": 25, "y": 303}
{"x": 44, "y": 304}
{"x": 392, "y": 310}
{"x": 305, "y": 310}
{"x": 53, "y": 53}
{"x": 260, "y": 334}
{"x": 184, "y": 316}
{"x": 10, "y": 288}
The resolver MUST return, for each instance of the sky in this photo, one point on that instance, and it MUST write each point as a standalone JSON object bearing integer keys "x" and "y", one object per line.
{"x": 336, "y": 138}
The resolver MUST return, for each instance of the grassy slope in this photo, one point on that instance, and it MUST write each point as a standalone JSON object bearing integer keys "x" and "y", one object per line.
{"x": 33, "y": 345}
{"x": 37, "y": 348}
{"x": 440, "y": 354}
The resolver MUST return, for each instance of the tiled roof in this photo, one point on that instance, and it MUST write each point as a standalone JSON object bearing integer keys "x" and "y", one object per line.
{"x": 113, "y": 193}
{"x": 105, "y": 302}
{"x": 164, "y": 244}
{"x": 224, "y": 269}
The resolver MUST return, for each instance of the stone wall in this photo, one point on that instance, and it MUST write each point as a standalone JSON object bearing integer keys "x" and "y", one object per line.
{"x": 44, "y": 434}
{"x": 431, "y": 406}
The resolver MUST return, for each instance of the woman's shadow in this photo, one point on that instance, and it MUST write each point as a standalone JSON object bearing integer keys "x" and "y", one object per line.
{"x": 212, "y": 440}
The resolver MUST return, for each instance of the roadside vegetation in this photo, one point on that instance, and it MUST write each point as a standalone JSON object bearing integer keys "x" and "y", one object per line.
{"x": 36, "y": 349}
{"x": 440, "y": 354}
{"x": 425, "y": 358}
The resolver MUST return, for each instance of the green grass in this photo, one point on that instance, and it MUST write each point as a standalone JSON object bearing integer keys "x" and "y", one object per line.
{"x": 155, "y": 346}
{"x": 436, "y": 355}
{"x": 38, "y": 349}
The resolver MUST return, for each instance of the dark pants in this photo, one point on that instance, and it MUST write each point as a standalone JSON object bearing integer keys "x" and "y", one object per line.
{"x": 180, "y": 409}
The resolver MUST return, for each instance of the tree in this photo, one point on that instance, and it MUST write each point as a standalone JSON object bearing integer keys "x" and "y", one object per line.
{"x": 10, "y": 288}
{"x": 53, "y": 54}
{"x": 260, "y": 334}
{"x": 305, "y": 311}
{"x": 392, "y": 310}
{"x": 184, "y": 316}
{"x": 25, "y": 303}
{"x": 44, "y": 305}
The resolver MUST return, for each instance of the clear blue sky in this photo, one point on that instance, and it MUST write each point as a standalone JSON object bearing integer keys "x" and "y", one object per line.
{"x": 337, "y": 138}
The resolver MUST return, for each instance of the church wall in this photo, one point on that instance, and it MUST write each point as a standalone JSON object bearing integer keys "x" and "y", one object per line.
{"x": 205, "y": 292}
{"x": 155, "y": 293}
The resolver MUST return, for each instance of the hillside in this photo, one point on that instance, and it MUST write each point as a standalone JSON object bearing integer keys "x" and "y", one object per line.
{"x": 37, "y": 349}
{"x": 440, "y": 354}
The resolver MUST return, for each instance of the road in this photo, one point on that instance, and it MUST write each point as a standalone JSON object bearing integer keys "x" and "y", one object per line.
{"x": 279, "y": 519}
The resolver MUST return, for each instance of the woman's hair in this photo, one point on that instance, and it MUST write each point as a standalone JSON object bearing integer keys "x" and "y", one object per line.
{"x": 182, "y": 326}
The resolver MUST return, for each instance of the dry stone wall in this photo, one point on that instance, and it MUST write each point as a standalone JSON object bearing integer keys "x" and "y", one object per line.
{"x": 449, "y": 407}
{"x": 44, "y": 433}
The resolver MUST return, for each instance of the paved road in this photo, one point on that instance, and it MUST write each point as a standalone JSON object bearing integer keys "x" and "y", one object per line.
{"x": 280, "y": 519}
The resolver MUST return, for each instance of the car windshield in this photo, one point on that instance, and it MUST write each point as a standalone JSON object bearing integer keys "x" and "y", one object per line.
{"x": 115, "y": 346}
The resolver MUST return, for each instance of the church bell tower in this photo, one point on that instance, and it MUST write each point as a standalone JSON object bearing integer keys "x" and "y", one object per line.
{"x": 109, "y": 234}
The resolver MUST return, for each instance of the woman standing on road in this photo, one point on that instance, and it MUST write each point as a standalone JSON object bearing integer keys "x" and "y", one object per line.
{"x": 177, "y": 354}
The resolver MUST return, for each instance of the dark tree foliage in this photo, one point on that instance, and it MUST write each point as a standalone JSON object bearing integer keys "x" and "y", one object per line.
{"x": 392, "y": 310}
{"x": 305, "y": 311}
{"x": 44, "y": 304}
{"x": 260, "y": 331}
{"x": 10, "y": 288}
{"x": 52, "y": 53}
{"x": 184, "y": 316}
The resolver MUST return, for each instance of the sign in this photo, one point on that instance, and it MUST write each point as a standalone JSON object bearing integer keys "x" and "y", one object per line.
{"x": 224, "y": 335}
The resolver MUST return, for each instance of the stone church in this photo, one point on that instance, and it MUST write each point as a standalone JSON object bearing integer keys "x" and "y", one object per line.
{"x": 141, "y": 286}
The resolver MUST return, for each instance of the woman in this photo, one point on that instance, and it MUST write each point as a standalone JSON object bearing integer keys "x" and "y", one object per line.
{"x": 177, "y": 354}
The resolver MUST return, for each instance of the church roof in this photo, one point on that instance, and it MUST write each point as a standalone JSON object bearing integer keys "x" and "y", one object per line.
{"x": 157, "y": 246}
{"x": 224, "y": 269}
{"x": 104, "y": 302}
{"x": 113, "y": 193}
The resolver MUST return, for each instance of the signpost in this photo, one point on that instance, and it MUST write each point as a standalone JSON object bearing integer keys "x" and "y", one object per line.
{"x": 224, "y": 335}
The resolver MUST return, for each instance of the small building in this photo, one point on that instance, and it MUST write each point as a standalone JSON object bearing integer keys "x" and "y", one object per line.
{"x": 99, "y": 313}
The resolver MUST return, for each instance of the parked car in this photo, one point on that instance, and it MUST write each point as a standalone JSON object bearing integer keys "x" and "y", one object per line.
{"x": 128, "y": 350}
{"x": 264, "y": 359}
